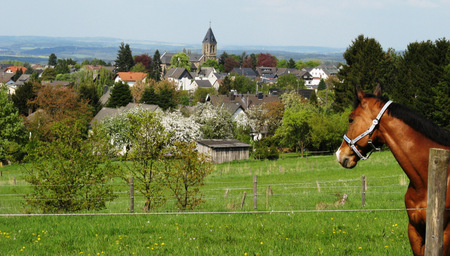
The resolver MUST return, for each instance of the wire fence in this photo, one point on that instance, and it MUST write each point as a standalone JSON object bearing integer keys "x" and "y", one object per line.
{"x": 225, "y": 197}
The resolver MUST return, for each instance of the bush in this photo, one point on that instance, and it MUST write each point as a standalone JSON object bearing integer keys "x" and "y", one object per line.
{"x": 266, "y": 149}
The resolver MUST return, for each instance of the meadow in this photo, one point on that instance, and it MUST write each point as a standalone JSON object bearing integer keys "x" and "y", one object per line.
{"x": 303, "y": 215}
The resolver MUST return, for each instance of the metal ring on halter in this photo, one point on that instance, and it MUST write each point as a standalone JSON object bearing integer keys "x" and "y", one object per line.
{"x": 375, "y": 122}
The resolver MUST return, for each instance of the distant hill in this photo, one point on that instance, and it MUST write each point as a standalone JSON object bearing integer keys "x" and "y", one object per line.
{"x": 35, "y": 49}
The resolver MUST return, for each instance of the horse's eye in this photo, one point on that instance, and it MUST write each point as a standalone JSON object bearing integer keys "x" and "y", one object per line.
{"x": 350, "y": 120}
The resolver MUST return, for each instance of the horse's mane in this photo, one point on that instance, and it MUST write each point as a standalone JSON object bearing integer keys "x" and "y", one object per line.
{"x": 416, "y": 121}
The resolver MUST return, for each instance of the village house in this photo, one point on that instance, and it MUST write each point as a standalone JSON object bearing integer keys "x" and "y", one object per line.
{"x": 322, "y": 72}
{"x": 181, "y": 78}
{"x": 130, "y": 78}
{"x": 14, "y": 69}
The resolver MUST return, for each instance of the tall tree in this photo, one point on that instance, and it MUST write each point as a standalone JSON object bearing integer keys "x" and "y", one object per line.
{"x": 124, "y": 60}
{"x": 155, "y": 73}
{"x": 364, "y": 68}
{"x": 186, "y": 174}
{"x": 24, "y": 94}
{"x": 12, "y": 133}
{"x": 149, "y": 145}
{"x": 423, "y": 80}
{"x": 291, "y": 63}
{"x": 120, "y": 95}
{"x": 52, "y": 60}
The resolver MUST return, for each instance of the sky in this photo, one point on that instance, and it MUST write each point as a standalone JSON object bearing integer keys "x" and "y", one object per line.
{"x": 326, "y": 23}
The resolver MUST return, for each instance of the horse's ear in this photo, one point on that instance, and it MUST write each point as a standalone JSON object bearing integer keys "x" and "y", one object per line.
{"x": 378, "y": 91}
{"x": 360, "y": 93}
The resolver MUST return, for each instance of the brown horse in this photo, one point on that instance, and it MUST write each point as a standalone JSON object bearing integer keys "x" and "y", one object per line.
{"x": 376, "y": 121}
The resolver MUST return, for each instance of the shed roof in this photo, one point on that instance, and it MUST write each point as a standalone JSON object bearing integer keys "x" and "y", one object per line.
{"x": 223, "y": 143}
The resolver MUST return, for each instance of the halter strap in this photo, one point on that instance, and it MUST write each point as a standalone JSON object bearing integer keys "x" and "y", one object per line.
{"x": 352, "y": 143}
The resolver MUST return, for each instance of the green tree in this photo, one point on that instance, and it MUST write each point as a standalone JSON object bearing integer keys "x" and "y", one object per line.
{"x": 167, "y": 96}
{"x": 180, "y": 60}
{"x": 120, "y": 95}
{"x": 24, "y": 94}
{"x": 52, "y": 60}
{"x": 289, "y": 81}
{"x": 149, "y": 145}
{"x": 150, "y": 96}
{"x": 156, "y": 70}
{"x": 322, "y": 85}
{"x": 211, "y": 63}
{"x": 243, "y": 84}
{"x": 88, "y": 91}
{"x": 49, "y": 74}
{"x": 139, "y": 67}
{"x": 422, "y": 80}
{"x": 282, "y": 63}
{"x": 70, "y": 174}
{"x": 62, "y": 67}
{"x": 18, "y": 73}
{"x": 185, "y": 174}
{"x": 364, "y": 65}
{"x": 12, "y": 130}
{"x": 327, "y": 129}
{"x": 291, "y": 63}
{"x": 124, "y": 60}
{"x": 295, "y": 129}
{"x": 226, "y": 86}
{"x": 201, "y": 93}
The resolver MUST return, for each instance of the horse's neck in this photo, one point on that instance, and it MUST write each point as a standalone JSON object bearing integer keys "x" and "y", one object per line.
{"x": 410, "y": 148}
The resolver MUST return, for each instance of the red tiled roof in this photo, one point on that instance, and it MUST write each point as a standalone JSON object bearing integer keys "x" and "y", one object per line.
{"x": 14, "y": 69}
{"x": 132, "y": 76}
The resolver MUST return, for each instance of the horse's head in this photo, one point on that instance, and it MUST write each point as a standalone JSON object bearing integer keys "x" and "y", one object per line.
{"x": 362, "y": 136}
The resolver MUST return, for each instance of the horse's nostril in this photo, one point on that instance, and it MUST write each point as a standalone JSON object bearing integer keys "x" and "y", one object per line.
{"x": 345, "y": 162}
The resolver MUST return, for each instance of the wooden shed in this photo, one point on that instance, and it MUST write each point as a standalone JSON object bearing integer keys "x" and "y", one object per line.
{"x": 224, "y": 150}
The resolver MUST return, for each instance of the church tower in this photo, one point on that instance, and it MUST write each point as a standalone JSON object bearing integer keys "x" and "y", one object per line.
{"x": 209, "y": 49}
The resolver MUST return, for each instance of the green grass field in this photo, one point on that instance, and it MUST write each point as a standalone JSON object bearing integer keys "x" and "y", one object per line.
{"x": 299, "y": 219}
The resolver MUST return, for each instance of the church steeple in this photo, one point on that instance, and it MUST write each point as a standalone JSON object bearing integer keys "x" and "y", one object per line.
{"x": 209, "y": 49}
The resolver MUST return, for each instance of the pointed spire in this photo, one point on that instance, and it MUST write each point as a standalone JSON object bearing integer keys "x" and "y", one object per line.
{"x": 209, "y": 37}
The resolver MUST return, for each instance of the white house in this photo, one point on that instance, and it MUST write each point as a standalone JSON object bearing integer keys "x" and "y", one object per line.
{"x": 181, "y": 77}
{"x": 322, "y": 72}
{"x": 130, "y": 78}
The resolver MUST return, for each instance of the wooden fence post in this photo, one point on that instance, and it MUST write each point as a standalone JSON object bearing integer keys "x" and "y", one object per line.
{"x": 131, "y": 195}
{"x": 243, "y": 199}
{"x": 226, "y": 193}
{"x": 255, "y": 191}
{"x": 363, "y": 191}
{"x": 318, "y": 186}
{"x": 436, "y": 197}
